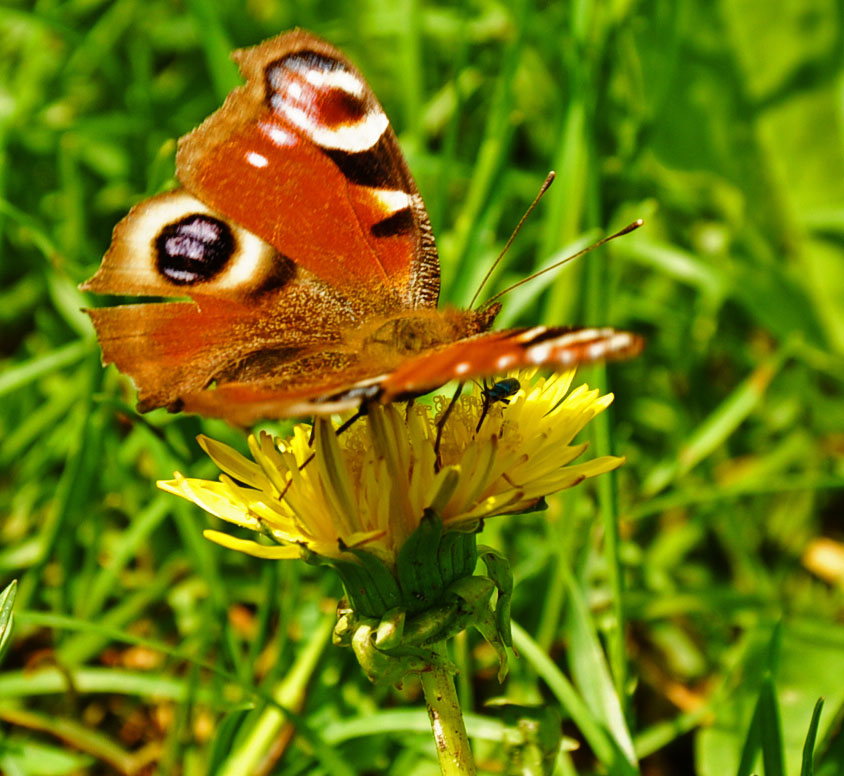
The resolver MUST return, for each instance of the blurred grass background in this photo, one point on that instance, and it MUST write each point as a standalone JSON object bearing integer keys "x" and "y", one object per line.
{"x": 684, "y": 617}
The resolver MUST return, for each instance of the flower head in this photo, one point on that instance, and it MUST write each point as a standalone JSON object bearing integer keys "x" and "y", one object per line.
{"x": 368, "y": 488}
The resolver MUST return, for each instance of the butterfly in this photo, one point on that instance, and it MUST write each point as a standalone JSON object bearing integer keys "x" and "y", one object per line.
{"x": 299, "y": 261}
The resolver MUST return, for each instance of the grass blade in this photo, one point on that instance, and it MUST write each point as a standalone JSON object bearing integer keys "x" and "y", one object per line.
{"x": 601, "y": 742}
{"x": 807, "y": 767}
{"x": 7, "y": 616}
{"x": 592, "y": 675}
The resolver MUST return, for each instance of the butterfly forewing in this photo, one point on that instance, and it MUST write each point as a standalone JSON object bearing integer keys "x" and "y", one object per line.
{"x": 304, "y": 156}
{"x": 484, "y": 355}
{"x": 497, "y": 353}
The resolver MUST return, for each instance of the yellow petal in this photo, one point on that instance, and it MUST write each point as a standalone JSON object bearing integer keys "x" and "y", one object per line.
{"x": 213, "y": 497}
{"x": 335, "y": 476}
{"x": 252, "y": 548}
{"x": 233, "y": 463}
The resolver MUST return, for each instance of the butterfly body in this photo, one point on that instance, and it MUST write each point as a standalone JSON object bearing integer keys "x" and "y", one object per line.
{"x": 306, "y": 254}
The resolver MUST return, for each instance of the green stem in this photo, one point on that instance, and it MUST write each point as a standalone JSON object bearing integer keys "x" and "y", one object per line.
{"x": 453, "y": 750}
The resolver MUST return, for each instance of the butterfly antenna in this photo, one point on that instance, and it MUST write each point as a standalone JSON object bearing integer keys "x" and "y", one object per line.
{"x": 627, "y": 229}
{"x": 549, "y": 179}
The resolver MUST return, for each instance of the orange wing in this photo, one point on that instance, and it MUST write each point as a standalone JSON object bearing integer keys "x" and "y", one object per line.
{"x": 304, "y": 157}
{"x": 482, "y": 355}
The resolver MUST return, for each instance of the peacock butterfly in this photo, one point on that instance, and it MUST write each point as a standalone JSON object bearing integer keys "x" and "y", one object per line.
{"x": 306, "y": 251}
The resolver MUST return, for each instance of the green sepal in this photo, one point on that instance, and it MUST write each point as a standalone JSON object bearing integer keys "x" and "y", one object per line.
{"x": 362, "y": 589}
{"x": 457, "y": 555}
{"x": 388, "y": 591}
{"x": 392, "y": 618}
{"x": 370, "y": 586}
{"x": 7, "y": 616}
{"x": 391, "y": 629}
{"x": 446, "y": 556}
{"x": 469, "y": 548}
{"x": 432, "y": 625}
{"x": 398, "y": 643}
{"x": 417, "y": 566}
{"x": 344, "y": 628}
{"x": 498, "y": 568}
{"x": 392, "y": 666}
{"x": 476, "y": 593}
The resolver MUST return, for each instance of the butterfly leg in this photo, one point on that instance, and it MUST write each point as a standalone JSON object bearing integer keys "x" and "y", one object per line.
{"x": 442, "y": 420}
{"x": 408, "y": 408}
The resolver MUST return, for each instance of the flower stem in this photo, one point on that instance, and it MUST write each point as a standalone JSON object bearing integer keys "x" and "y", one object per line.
{"x": 453, "y": 750}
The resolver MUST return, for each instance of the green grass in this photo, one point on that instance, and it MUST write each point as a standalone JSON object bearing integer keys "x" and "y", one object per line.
{"x": 669, "y": 614}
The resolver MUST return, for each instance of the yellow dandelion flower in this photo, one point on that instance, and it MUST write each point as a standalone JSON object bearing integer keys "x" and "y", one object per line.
{"x": 369, "y": 488}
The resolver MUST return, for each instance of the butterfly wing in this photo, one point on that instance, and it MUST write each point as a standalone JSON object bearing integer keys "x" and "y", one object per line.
{"x": 304, "y": 157}
{"x": 484, "y": 355}
{"x": 252, "y": 308}
{"x": 496, "y": 353}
